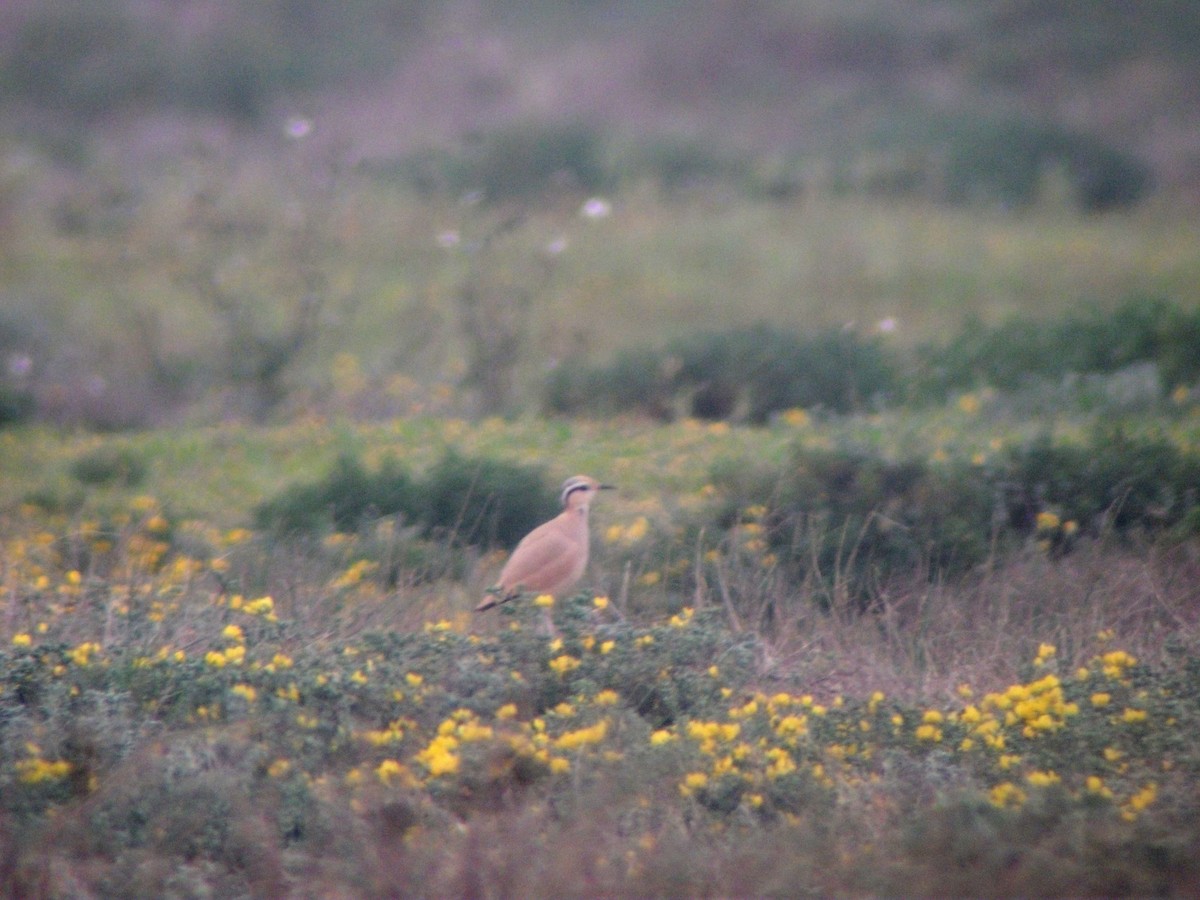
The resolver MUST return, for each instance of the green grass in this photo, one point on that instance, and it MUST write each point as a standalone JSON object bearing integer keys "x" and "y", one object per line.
{"x": 712, "y": 729}
{"x": 125, "y": 295}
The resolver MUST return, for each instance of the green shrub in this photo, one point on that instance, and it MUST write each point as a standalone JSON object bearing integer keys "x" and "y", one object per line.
{"x": 473, "y": 501}
{"x": 513, "y": 162}
{"x": 1024, "y": 351}
{"x": 1006, "y": 162}
{"x": 344, "y": 499}
{"x": 16, "y": 406}
{"x": 770, "y": 370}
{"x": 1116, "y": 481}
{"x": 110, "y": 466}
{"x": 746, "y": 374}
{"x": 484, "y": 501}
{"x": 852, "y": 518}
{"x": 678, "y": 163}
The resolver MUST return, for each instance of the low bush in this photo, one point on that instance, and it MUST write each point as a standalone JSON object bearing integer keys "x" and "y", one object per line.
{"x": 744, "y": 374}
{"x": 1024, "y": 351}
{"x": 467, "y": 500}
{"x": 1006, "y": 162}
{"x": 854, "y": 519}
{"x": 16, "y": 406}
{"x": 110, "y": 466}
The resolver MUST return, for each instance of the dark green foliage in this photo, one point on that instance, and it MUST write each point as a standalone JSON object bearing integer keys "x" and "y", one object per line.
{"x": 680, "y": 163}
{"x": 529, "y": 159}
{"x": 110, "y": 466}
{"x": 344, "y": 499}
{"x": 513, "y": 162}
{"x": 475, "y": 501}
{"x": 16, "y": 406}
{"x": 855, "y": 518}
{"x": 1023, "y": 351}
{"x": 484, "y": 501}
{"x": 746, "y": 374}
{"x": 1117, "y": 481}
{"x": 639, "y": 380}
{"x": 1007, "y": 161}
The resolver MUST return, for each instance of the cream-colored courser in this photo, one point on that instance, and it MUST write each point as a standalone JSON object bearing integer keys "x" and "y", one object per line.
{"x": 552, "y": 557}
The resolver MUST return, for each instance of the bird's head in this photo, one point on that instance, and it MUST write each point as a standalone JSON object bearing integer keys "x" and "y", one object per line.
{"x": 578, "y": 491}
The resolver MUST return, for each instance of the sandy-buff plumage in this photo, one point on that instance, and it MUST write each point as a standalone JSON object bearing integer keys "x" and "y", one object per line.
{"x": 552, "y": 557}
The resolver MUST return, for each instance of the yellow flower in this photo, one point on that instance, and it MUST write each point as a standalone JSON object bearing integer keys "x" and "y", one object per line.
{"x": 607, "y": 698}
{"x": 1143, "y": 798}
{"x": 233, "y": 633}
{"x": 929, "y": 732}
{"x": 563, "y": 664}
{"x": 279, "y": 768}
{"x": 439, "y": 757}
{"x": 559, "y": 766}
{"x": 545, "y": 601}
{"x": 600, "y": 602}
{"x": 32, "y": 771}
{"x": 507, "y": 711}
{"x": 1131, "y": 716}
{"x": 573, "y": 740}
{"x": 413, "y": 679}
{"x": 1006, "y": 794}
{"x": 245, "y": 691}
{"x": 21, "y": 640}
{"x": 662, "y": 736}
{"x": 263, "y": 606}
{"x": 683, "y": 618}
{"x": 1095, "y": 785}
{"x": 1042, "y": 779}
{"x": 388, "y": 770}
{"x": 606, "y": 647}
{"x": 1101, "y": 699}
{"x": 693, "y": 782}
{"x": 1047, "y": 521}
{"x": 795, "y": 417}
{"x": 81, "y": 655}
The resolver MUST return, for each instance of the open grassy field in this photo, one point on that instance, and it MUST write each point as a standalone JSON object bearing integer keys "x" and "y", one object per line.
{"x": 225, "y": 280}
{"x": 193, "y": 704}
{"x": 883, "y": 318}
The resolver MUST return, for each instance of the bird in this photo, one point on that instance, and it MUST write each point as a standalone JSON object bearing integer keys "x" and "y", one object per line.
{"x": 552, "y": 557}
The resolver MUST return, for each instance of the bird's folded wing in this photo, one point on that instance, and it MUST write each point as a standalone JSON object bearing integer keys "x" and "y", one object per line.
{"x": 542, "y": 561}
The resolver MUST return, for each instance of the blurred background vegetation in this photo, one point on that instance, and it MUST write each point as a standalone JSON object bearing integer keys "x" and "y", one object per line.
{"x": 252, "y": 209}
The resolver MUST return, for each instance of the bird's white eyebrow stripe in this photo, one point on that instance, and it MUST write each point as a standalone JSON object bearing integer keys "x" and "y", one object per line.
{"x": 572, "y": 488}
